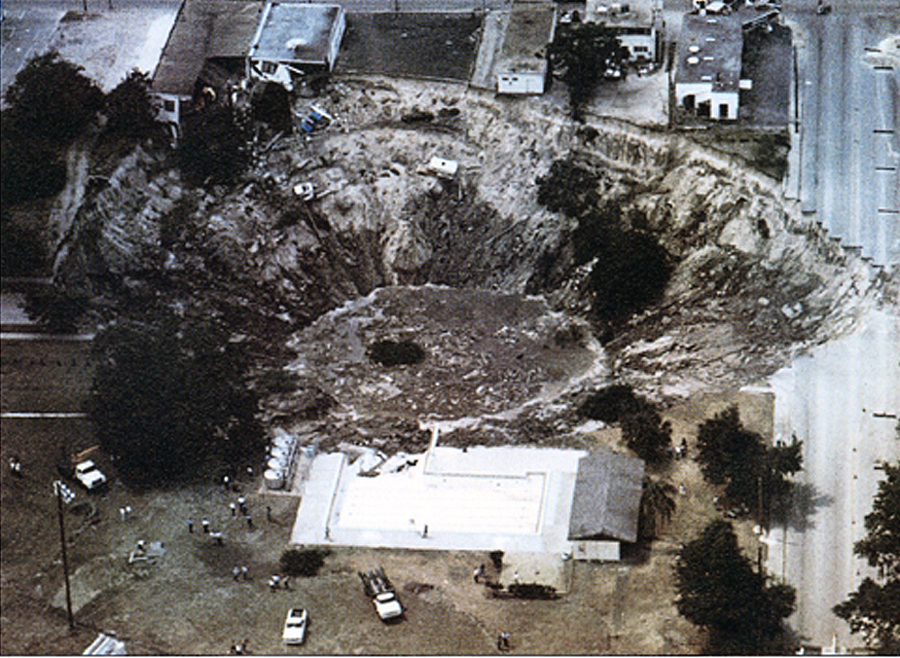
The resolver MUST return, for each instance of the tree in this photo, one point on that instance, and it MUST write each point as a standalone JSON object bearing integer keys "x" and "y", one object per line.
{"x": 170, "y": 399}
{"x": 874, "y": 608}
{"x": 657, "y": 506}
{"x": 751, "y": 471}
{"x": 51, "y": 100}
{"x": 58, "y": 310}
{"x": 214, "y": 147}
{"x": 22, "y": 251}
{"x": 583, "y": 54}
{"x": 719, "y": 590}
{"x": 643, "y": 429}
{"x": 129, "y": 109}
{"x": 645, "y": 432}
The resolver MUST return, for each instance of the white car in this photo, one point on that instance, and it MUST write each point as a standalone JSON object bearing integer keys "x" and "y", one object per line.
{"x": 295, "y": 626}
{"x": 387, "y": 606}
{"x": 89, "y": 475}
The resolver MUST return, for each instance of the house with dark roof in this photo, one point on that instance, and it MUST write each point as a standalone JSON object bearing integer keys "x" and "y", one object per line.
{"x": 295, "y": 39}
{"x": 708, "y": 75}
{"x": 522, "y": 65}
{"x": 606, "y": 503}
{"x": 207, "y": 45}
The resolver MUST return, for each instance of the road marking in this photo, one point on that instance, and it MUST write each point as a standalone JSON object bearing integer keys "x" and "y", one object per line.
{"x": 23, "y": 336}
{"x": 41, "y": 414}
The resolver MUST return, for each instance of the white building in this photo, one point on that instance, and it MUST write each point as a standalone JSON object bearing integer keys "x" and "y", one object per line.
{"x": 295, "y": 39}
{"x": 638, "y": 25}
{"x": 708, "y": 75}
{"x": 522, "y": 67}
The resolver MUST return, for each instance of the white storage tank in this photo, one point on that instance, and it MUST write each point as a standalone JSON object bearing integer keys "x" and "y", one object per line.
{"x": 274, "y": 479}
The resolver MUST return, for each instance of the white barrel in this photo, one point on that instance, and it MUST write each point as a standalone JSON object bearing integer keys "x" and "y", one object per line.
{"x": 274, "y": 465}
{"x": 273, "y": 479}
{"x": 280, "y": 454}
{"x": 285, "y": 441}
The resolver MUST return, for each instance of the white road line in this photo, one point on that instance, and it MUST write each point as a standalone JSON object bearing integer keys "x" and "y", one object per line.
{"x": 41, "y": 414}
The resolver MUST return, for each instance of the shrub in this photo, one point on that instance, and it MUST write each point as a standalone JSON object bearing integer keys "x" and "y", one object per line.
{"x": 396, "y": 353}
{"x": 496, "y": 559}
{"x": 57, "y": 310}
{"x": 306, "y": 562}
{"x": 22, "y": 252}
{"x": 533, "y": 591}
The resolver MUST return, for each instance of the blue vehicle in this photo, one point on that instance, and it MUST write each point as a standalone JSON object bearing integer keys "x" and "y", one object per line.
{"x": 315, "y": 118}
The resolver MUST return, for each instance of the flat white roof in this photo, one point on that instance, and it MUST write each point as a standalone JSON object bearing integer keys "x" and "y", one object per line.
{"x": 510, "y": 499}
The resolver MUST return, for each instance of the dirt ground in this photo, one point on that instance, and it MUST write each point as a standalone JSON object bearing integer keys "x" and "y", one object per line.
{"x": 189, "y": 603}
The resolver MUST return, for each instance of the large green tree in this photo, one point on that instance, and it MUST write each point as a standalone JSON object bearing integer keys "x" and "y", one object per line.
{"x": 129, "y": 109}
{"x": 584, "y": 54}
{"x": 874, "y": 608}
{"x": 752, "y": 472}
{"x": 719, "y": 590}
{"x": 171, "y": 399}
{"x": 51, "y": 99}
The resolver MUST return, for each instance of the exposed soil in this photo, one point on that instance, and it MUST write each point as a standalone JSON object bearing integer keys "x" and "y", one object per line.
{"x": 452, "y": 265}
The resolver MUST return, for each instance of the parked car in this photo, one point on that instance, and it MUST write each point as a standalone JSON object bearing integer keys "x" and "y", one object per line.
{"x": 87, "y": 473}
{"x": 295, "y": 626}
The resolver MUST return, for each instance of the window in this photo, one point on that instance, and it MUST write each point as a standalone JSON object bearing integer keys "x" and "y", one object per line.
{"x": 169, "y": 105}
{"x": 269, "y": 67}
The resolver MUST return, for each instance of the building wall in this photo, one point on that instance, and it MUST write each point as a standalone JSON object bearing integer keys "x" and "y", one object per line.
{"x": 337, "y": 34}
{"x": 723, "y": 105}
{"x": 520, "y": 83}
{"x": 640, "y": 46}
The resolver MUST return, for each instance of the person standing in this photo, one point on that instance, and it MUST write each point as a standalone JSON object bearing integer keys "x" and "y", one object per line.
{"x": 191, "y": 526}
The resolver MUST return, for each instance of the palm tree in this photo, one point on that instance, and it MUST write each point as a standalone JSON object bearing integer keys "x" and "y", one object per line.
{"x": 657, "y": 506}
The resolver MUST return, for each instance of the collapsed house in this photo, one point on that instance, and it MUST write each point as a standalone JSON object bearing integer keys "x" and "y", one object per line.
{"x": 215, "y": 45}
{"x": 206, "y": 48}
{"x": 295, "y": 40}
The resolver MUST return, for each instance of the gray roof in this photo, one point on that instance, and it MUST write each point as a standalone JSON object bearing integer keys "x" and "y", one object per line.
{"x": 607, "y": 497}
{"x": 295, "y": 32}
{"x": 710, "y": 51}
{"x": 203, "y": 30}
{"x": 531, "y": 27}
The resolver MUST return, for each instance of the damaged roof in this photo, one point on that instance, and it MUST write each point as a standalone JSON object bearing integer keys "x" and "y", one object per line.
{"x": 204, "y": 30}
{"x": 295, "y": 32}
{"x": 607, "y": 497}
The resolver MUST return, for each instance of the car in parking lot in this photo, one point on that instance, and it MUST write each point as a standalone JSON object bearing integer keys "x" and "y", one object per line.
{"x": 295, "y": 626}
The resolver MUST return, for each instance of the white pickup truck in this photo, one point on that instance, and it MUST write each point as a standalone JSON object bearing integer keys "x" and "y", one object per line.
{"x": 89, "y": 475}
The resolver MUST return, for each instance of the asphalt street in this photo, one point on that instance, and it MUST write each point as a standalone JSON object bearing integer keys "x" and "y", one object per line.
{"x": 842, "y": 400}
{"x": 849, "y": 178}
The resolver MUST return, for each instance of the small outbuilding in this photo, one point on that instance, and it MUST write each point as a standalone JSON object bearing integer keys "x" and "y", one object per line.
{"x": 295, "y": 39}
{"x": 522, "y": 67}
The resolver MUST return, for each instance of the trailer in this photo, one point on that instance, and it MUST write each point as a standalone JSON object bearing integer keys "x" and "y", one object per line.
{"x": 380, "y": 590}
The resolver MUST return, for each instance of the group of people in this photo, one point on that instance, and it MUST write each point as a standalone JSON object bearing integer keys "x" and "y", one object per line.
{"x": 277, "y": 582}
{"x": 15, "y": 466}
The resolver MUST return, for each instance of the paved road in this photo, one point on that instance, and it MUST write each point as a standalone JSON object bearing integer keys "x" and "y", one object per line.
{"x": 849, "y": 166}
{"x": 842, "y": 401}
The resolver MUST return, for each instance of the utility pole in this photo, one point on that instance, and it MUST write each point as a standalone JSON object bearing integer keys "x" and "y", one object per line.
{"x": 64, "y": 495}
